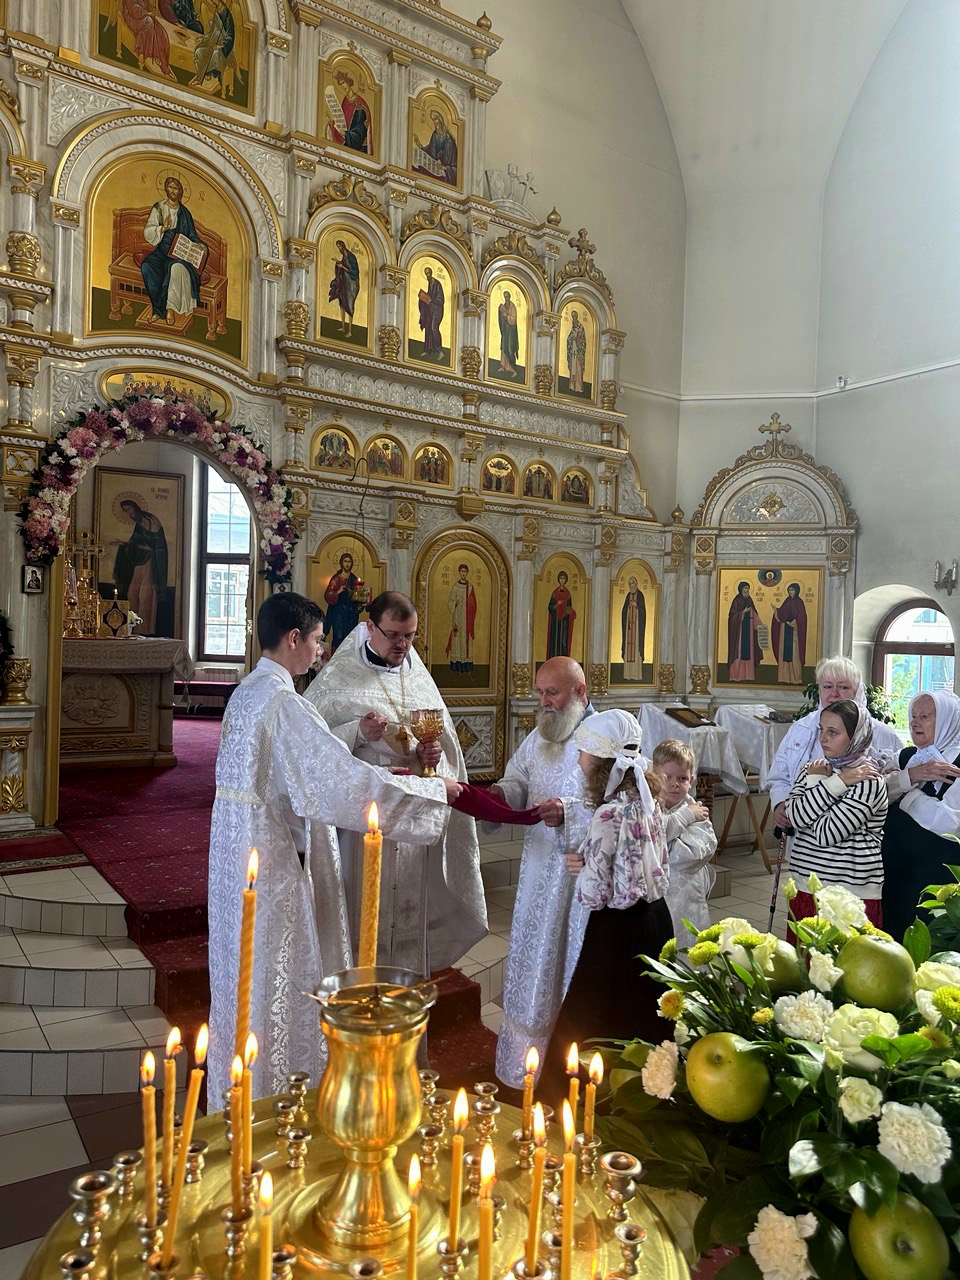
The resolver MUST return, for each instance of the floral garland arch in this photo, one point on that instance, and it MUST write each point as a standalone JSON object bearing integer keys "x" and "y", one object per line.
{"x": 45, "y": 515}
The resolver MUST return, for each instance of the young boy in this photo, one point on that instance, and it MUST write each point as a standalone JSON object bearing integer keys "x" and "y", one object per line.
{"x": 691, "y": 839}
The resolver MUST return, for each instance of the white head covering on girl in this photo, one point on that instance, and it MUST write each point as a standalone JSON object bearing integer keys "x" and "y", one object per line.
{"x": 858, "y": 752}
{"x": 946, "y": 733}
{"x": 615, "y": 735}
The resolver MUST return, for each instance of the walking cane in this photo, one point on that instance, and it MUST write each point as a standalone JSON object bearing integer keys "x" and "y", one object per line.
{"x": 781, "y": 833}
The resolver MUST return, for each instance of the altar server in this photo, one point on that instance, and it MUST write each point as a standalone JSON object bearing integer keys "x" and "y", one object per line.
{"x": 281, "y": 778}
{"x": 432, "y": 908}
{"x": 548, "y": 920}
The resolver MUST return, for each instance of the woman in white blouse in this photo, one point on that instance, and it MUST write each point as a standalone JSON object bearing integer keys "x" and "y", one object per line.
{"x": 924, "y": 790}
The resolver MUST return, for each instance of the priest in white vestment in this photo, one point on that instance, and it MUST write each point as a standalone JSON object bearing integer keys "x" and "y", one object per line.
{"x": 548, "y": 921}
{"x": 432, "y": 906}
{"x": 282, "y": 777}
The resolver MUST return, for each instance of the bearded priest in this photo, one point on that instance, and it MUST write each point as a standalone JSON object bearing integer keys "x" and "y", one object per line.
{"x": 281, "y": 778}
{"x": 432, "y": 907}
{"x": 548, "y": 921}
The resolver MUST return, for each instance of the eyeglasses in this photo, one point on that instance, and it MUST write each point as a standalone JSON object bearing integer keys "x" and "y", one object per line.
{"x": 398, "y": 637}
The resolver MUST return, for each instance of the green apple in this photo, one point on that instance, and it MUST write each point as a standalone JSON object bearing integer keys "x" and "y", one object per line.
{"x": 877, "y": 972}
{"x": 902, "y": 1243}
{"x": 788, "y": 974}
{"x": 726, "y": 1080}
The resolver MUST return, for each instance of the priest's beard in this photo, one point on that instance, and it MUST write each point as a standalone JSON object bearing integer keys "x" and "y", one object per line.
{"x": 556, "y": 727}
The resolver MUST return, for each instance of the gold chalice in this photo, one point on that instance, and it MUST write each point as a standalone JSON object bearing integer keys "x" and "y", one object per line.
{"x": 427, "y": 726}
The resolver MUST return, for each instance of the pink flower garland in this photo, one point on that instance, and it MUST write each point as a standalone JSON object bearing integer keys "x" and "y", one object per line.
{"x": 45, "y": 516}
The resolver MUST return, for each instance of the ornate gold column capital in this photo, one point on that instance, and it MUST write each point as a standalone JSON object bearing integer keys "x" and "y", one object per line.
{"x": 598, "y": 679}
{"x": 389, "y": 341}
{"x": 699, "y": 680}
{"x": 666, "y": 677}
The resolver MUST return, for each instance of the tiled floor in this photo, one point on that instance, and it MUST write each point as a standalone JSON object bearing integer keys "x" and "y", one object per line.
{"x": 66, "y": 884}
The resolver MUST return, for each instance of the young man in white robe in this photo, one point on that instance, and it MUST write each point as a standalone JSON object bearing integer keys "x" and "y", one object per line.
{"x": 548, "y": 921}
{"x": 432, "y": 906}
{"x": 282, "y": 777}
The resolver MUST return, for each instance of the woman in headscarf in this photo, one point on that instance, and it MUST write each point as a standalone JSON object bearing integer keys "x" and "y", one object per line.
{"x": 621, "y": 870}
{"x": 837, "y": 808}
{"x": 837, "y": 678}
{"x": 924, "y": 808}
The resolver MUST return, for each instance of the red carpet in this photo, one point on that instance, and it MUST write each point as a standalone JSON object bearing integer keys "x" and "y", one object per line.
{"x": 39, "y": 853}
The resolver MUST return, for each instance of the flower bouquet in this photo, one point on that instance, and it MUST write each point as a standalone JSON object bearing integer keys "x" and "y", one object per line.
{"x": 810, "y": 1096}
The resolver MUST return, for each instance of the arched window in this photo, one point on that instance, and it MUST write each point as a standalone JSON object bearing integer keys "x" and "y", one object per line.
{"x": 914, "y": 650}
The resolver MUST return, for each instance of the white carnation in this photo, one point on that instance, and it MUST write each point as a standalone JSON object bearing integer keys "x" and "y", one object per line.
{"x": 659, "y": 1074}
{"x": 859, "y": 1100}
{"x": 841, "y": 908}
{"x": 778, "y": 1244}
{"x": 930, "y": 1012}
{"x": 933, "y": 974}
{"x": 824, "y": 974}
{"x": 914, "y": 1140}
{"x": 848, "y": 1026}
{"x": 805, "y": 1017}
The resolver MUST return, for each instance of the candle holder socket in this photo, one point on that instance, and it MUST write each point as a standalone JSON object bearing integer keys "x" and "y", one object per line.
{"x": 552, "y": 1243}
{"x": 365, "y": 1269}
{"x": 439, "y": 1108}
{"x": 196, "y": 1159}
{"x": 486, "y": 1089}
{"x": 428, "y": 1084}
{"x": 555, "y": 1203}
{"x": 78, "y": 1264}
{"x": 451, "y": 1260}
{"x": 485, "y": 1112}
{"x": 551, "y": 1174}
{"x": 161, "y": 1270}
{"x": 283, "y": 1262}
{"x": 285, "y": 1114}
{"x": 548, "y": 1114}
{"x": 177, "y": 1135}
{"x": 587, "y": 1151}
{"x": 525, "y": 1146}
{"x": 91, "y": 1194}
{"x": 126, "y": 1166}
{"x": 297, "y": 1141}
{"x": 620, "y": 1170}
{"x": 251, "y": 1184}
{"x": 472, "y": 1161}
{"x": 499, "y": 1204}
{"x": 521, "y": 1271}
{"x": 237, "y": 1225}
{"x": 151, "y": 1238}
{"x": 299, "y": 1082}
{"x": 630, "y": 1238}
{"x": 430, "y": 1136}
{"x": 228, "y": 1131}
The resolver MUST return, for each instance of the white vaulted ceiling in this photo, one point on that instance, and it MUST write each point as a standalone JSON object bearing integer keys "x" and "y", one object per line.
{"x": 758, "y": 91}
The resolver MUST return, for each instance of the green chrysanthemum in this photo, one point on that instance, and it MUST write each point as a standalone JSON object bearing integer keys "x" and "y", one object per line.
{"x": 936, "y": 1037}
{"x": 710, "y": 934}
{"x": 671, "y": 1004}
{"x": 871, "y": 931}
{"x": 947, "y": 1002}
{"x": 702, "y": 953}
{"x": 947, "y": 891}
{"x": 669, "y": 951}
{"x": 760, "y": 1016}
{"x": 748, "y": 940}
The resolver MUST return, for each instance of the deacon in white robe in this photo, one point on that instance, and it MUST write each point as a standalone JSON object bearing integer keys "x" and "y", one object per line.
{"x": 432, "y": 906}
{"x": 282, "y": 777}
{"x": 548, "y": 920}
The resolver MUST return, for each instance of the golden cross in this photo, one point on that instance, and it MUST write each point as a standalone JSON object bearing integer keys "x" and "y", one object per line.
{"x": 581, "y": 243}
{"x": 774, "y": 428}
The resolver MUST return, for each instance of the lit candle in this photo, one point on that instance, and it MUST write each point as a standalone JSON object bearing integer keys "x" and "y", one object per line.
{"x": 370, "y": 901}
{"x": 413, "y": 1232}
{"x": 590, "y": 1102}
{"x": 236, "y": 1126}
{"x": 250, "y": 1051}
{"x": 266, "y": 1226}
{"x": 148, "y": 1104}
{"x": 568, "y": 1190}
{"x": 461, "y": 1114}
{"x": 169, "y": 1105}
{"x": 488, "y": 1176}
{"x": 248, "y": 922}
{"x": 186, "y": 1135}
{"x": 536, "y": 1195}
{"x": 530, "y": 1074}
{"x": 573, "y": 1071}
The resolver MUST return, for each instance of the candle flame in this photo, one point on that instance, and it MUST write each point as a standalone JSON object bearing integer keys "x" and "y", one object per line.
{"x": 373, "y": 818}
{"x": 532, "y": 1061}
{"x": 488, "y": 1171}
{"x": 573, "y": 1060}
{"x": 203, "y": 1042}
{"x": 413, "y": 1177}
{"x": 251, "y": 1050}
{"x": 266, "y": 1192}
{"x": 236, "y": 1071}
{"x": 253, "y": 868}
{"x": 461, "y": 1111}
{"x": 569, "y": 1128}
{"x": 148, "y": 1068}
{"x": 596, "y": 1068}
{"x": 173, "y": 1042}
{"x": 539, "y": 1124}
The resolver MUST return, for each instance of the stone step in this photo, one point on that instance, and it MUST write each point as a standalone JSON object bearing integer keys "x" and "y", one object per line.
{"x": 45, "y": 915}
{"x": 73, "y": 971}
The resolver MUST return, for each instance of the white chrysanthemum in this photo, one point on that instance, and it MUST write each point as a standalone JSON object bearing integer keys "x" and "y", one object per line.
{"x": 729, "y": 928}
{"x": 951, "y": 1068}
{"x": 682, "y": 1033}
{"x": 848, "y": 1026}
{"x": 659, "y": 1074}
{"x": 805, "y": 1017}
{"x": 859, "y": 1099}
{"x": 914, "y": 1140}
{"x": 933, "y": 974}
{"x": 824, "y": 974}
{"x": 778, "y": 1244}
{"x": 841, "y": 908}
{"x": 924, "y": 1002}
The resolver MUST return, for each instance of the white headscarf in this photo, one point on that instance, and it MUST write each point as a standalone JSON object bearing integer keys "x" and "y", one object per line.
{"x": 615, "y": 735}
{"x": 946, "y": 734}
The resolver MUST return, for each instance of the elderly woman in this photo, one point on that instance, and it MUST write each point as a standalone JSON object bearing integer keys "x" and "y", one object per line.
{"x": 924, "y": 808}
{"x": 837, "y": 678}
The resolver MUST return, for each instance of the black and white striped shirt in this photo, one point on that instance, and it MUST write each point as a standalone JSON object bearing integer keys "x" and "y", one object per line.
{"x": 839, "y": 831}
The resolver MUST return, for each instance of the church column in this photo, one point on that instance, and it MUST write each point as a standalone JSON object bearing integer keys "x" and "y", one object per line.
{"x": 597, "y": 651}
{"x": 611, "y": 344}
{"x": 296, "y": 420}
{"x": 673, "y": 649}
{"x": 699, "y": 631}
{"x": 525, "y": 550}
{"x": 22, "y": 246}
{"x": 393, "y": 283}
{"x": 303, "y": 108}
{"x": 71, "y": 16}
{"x": 30, "y": 74}
{"x": 398, "y": 91}
{"x": 275, "y": 108}
{"x": 477, "y": 132}
{"x": 271, "y": 274}
{"x": 472, "y": 342}
{"x": 546, "y": 327}
{"x": 304, "y": 171}
{"x": 67, "y": 221}
{"x": 296, "y": 312}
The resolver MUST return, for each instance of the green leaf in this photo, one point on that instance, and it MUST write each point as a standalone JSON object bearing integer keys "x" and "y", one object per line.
{"x": 729, "y": 1216}
{"x": 909, "y": 1046}
{"x": 635, "y": 1055}
{"x": 792, "y": 1086}
{"x": 677, "y": 1142}
{"x": 916, "y": 939}
{"x": 742, "y": 1268}
{"x": 883, "y": 1047}
{"x": 745, "y": 976}
{"x": 829, "y": 1252}
{"x": 815, "y": 1154}
{"x": 880, "y": 1183}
